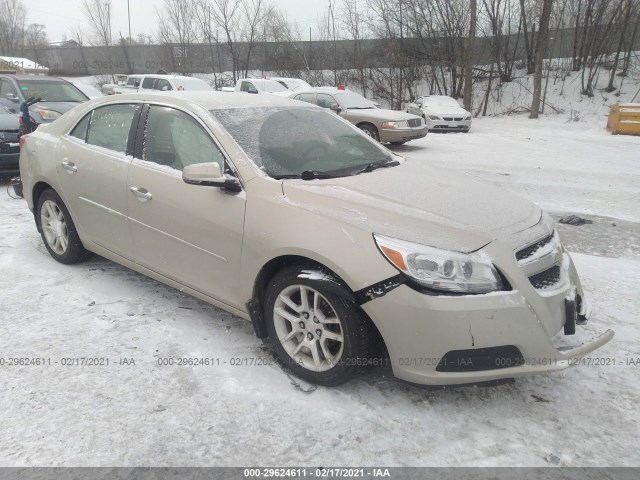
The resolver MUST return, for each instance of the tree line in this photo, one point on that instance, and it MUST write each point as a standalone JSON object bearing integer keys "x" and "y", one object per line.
{"x": 448, "y": 47}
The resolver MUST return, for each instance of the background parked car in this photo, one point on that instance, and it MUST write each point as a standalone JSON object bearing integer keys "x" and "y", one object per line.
{"x": 9, "y": 147}
{"x": 441, "y": 113}
{"x": 162, "y": 83}
{"x": 57, "y": 95}
{"x": 261, "y": 85}
{"x": 386, "y": 126}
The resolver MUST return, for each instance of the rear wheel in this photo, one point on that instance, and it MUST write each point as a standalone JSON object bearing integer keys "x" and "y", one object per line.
{"x": 370, "y": 130}
{"x": 318, "y": 333}
{"x": 58, "y": 230}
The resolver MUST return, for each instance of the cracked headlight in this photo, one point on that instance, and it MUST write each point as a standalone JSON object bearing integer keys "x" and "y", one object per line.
{"x": 441, "y": 269}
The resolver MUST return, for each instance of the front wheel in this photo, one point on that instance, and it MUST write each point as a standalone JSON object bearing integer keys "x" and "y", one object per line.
{"x": 317, "y": 332}
{"x": 58, "y": 230}
{"x": 370, "y": 130}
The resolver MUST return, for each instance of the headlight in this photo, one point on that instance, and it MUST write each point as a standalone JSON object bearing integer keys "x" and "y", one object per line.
{"x": 402, "y": 124}
{"x": 434, "y": 117}
{"x": 48, "y": 114}
{"x": 441, "y": 269}
{"x": 468, "y": 118}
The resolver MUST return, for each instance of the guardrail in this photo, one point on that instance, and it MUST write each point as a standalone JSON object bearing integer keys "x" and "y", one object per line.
{"x": 624, "y": 119}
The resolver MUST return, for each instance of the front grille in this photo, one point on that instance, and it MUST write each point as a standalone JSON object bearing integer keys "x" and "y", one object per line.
{"x": 5, "y": 148}
{"x": 547, "y": 278}
{"x": 479, "y": 359}
{"x": 415, "y": 122}
{"x": 9, "y": 136}
{"x": 458, "y": 119}
{"x": 529, "y": 251}
{"x": 448, "y": 119}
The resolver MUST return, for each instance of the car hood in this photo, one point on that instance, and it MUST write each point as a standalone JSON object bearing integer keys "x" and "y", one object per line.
{"x": 9, "y": 122}
{"x": 418, "y": 203}
{"x": 60, "y": 107}
{"x": 446, "y": 110}
{"x": 378, "y": 113}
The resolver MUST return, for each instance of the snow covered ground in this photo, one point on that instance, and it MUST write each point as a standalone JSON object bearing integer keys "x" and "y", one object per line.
{"x": 234, "y": 414}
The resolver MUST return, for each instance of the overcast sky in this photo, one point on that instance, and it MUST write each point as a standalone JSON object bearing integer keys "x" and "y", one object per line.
{"x": 65, "y": 16}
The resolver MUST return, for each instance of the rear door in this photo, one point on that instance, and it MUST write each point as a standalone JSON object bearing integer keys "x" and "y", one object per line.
{"x": 188, "y": 233}
{"x": 93, "y": 166}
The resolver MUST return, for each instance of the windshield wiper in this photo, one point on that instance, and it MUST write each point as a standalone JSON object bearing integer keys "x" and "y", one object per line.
{"x": 376, "y": 165}
{"x": 306, "y": 175}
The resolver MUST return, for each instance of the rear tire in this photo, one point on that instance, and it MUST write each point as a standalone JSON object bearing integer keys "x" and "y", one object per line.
{"x": 316, "y": 331}
{"x": 58, "y": 231}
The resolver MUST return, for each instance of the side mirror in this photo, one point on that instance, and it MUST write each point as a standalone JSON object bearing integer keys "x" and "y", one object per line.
{"x": 209, "y": 175}
{"x": 335, "y": 108}
{"x": 13, "y": 98}
{"x": 252, "y": 90}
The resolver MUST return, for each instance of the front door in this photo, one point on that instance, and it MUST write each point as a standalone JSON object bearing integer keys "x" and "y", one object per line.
{"x": 189, "y": 233}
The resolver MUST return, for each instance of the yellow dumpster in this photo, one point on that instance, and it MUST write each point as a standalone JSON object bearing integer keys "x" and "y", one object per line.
{"x": 624, "y": 119}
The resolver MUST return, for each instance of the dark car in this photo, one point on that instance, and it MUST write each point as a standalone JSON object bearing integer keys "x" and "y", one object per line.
{"x": 57, "y": 95}
{"x": 9, "y": 147}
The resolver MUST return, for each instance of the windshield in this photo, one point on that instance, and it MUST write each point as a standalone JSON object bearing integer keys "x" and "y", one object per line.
{"x": 294, "y": 84}
{"x": 440, "y": 102}
{"x": 192, "y": 84}
{"x": 287, "y": 141}
{"x": 51, "y": 91}
{"x": 353, "y": 100}
{"x": 272, "y": 86}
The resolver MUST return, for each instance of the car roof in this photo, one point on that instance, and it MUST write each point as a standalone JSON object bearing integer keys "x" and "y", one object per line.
{"x": 34, "y": 77}
{"x": 210, "y": 100}
{"x": 333, "y": 90}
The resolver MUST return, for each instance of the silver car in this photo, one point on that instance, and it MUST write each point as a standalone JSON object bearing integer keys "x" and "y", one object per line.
{"x": 284, "y": 214}
{"x": 386, "y": 126}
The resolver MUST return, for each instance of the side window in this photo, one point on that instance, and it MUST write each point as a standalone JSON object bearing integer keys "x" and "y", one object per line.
{"x": 110, "y": 125}
{"x": 244, "y": 87}
{"x": 176, "y": 139}
{"x": 325, "y": 101}
{"x": 6, "y": 90}
{"x": 148, "y": 83}
{"x": 80, "y": 130}
{"x": 164, "y": 85}
{"x": 305, "y": 97}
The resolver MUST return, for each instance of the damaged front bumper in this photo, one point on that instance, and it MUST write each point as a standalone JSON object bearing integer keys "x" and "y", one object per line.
{"x": 447, "y": 340}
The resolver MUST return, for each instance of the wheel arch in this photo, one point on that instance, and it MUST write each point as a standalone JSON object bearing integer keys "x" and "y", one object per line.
{"x": 36, "y": 191}
{"x": 272, "y": 267}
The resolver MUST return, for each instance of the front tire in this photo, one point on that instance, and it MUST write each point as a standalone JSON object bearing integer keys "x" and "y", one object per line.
{"x": 370, "y": 130}
{"x": 58, "y": 231}
{"x": 315, "y": 329}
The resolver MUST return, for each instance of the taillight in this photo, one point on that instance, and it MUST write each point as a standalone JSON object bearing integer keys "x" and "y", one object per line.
{"x": 23, "y": 138}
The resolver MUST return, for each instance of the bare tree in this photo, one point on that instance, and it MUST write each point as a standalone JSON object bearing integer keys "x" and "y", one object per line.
{"x": 98, "y": 15}
{"x": 178, "y": 30}
{"x": 470, "y": 56}
{"x": 541, "y": 47}
{"x": 12, "y": 19}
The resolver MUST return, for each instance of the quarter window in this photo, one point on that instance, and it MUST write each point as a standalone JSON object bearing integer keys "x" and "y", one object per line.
{"x": 80, "y": 130}
{"x": 109, "y": 126}
{"x": 175, "y": 139}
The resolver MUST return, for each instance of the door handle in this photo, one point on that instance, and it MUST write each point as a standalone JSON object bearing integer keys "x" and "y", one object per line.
{"x": 142, "y": 193}
{"x": 70, "y": 167}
